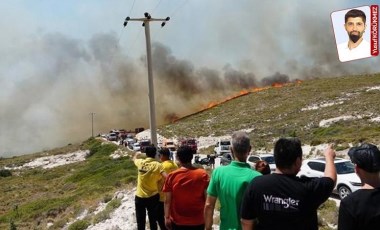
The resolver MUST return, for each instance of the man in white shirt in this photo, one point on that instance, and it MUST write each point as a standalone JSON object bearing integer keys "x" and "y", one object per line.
{"x": 356, "y": 47}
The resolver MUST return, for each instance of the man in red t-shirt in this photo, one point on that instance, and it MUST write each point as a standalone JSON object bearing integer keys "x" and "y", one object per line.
{"x": 185, "y": 191}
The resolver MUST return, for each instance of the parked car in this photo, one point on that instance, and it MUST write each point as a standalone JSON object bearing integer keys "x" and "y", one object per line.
{"x": 112, "y": 136}
{"x": 347, "y": 180}
{"x": 144, "y": 144}
{"x": 136, "y": 146}
{"x": 203, "y": 161}
{"x": 269, "y": 158}
{"x": 221, "y": 147}
{"x": 129, "y": 142}
{"x": 170, "y": 145}
{"x": 225, "y": 159}
{"x": 189, "y": 142}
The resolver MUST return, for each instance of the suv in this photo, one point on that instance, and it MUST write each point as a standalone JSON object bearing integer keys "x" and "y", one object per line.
{"x": 221, "y": 147}
{"x": 225, "y": 159}
{"x": 192, "y": 143}
{"x": 347, "y": 180}
{"x": 112, "y": 136}
{"x": 269, "y": 158}
{"x": 170, "y": 145}
{"x": 143, "y": 144}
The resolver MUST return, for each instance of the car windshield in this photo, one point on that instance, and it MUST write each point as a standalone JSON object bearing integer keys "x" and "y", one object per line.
{"x": 225, "y": 143}
{"x": 225, "y": 147}
{"x": 344, "y": 167}
{"x": 269, "y": 159}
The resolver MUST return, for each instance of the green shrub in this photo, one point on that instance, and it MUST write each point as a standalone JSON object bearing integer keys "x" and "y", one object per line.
{"x": 113, "y": 204}
{"x": 315, "y": 142}
{"x": 329, "y": 212}
{"x": 107, "y": 198}
{"x": 105, "y": 214}
{"x": 12, "y": 225}
{"x": 79, "y": 225}
{"x": 5, "y": 173}
{"x": 101, "y": 216}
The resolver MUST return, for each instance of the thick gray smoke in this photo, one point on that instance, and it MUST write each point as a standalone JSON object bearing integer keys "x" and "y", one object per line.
{"x": 52, "y": 83}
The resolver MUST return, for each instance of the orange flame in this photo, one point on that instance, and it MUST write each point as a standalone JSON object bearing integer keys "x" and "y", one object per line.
{"x": 241, "y": 93}
{"x": 245, "y": 92}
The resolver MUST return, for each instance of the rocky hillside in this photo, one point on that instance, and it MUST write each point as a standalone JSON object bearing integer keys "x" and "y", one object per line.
{"x": 342, "y": 110}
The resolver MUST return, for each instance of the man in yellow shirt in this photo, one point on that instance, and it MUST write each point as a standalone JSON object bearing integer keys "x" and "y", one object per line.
{"x": 168, "y": 166}
{"x": 150, "y": 172}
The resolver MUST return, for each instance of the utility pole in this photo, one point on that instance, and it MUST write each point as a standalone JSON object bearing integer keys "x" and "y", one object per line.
{"x": 152, "y": 109}
{"x": 92, "y": 124}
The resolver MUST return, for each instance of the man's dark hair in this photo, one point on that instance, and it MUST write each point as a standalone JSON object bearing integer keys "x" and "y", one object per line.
{"x": 354, "y": 13}
{"x": 366, "y": 156}
{"x": 240, "y": 143}
{"x": 286, "y": 151}
{"x": 185, "y": 154}
{"x": 164, "y": 152}
{"x": 151, "y": 151}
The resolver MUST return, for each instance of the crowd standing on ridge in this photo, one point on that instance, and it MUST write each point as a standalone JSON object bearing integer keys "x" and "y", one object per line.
{"x": 183, "y": 197}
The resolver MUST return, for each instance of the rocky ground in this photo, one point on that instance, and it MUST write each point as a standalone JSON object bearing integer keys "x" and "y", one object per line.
{"x": 123, "y": 218}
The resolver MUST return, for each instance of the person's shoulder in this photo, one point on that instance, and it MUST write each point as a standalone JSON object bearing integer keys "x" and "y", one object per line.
{"x": 352, "y": 198}
{"x": 256, "y": 173}
{"x": 342, "y": 45}
{"x": 168, "y": 163}
{"x": 366, "y": 44}
{"x": 201, "y": 172}
{"x": 264, "y": 178}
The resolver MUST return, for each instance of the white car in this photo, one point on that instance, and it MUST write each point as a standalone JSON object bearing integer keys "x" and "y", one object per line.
{"x": 347, "y": 180}
{"x": 222, "y": 147}
{"x": 136, "y": 146}
{"x": 269, "y": 158}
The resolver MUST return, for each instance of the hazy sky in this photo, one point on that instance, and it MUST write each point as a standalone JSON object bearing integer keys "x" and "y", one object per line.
{"x": 62, "y": 60}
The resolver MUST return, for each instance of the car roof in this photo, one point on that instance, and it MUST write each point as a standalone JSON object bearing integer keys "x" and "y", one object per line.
{"x": 323, "y": 160}
{"x": 262, "y": 155}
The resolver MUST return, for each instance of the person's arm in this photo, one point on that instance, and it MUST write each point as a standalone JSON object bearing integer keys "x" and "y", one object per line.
{"x": 168, "y": 200}
{"x": 330, "y": 170}
{"x": 135, "y": 156}
{"x": 164, "y": 174}
{"x": 247, "y": 224}
{"x": 209, "y": 211}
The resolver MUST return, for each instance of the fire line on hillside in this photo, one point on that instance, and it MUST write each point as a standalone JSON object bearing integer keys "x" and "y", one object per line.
{"x": 240, "y": 94}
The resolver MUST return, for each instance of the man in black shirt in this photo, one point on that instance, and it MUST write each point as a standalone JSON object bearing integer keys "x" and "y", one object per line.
{"x": 361, "y": 209}
{"x": 281, "y": 200}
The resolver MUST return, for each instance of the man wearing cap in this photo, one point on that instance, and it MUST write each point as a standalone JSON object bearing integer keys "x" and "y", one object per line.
{"x": 361, "y": 209}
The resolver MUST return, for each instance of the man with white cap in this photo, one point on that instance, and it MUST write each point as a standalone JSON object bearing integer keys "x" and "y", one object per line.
{"x": 361, "y": 209}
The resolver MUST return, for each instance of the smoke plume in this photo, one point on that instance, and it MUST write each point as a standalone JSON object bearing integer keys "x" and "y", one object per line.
{"x": 51, "y": 83}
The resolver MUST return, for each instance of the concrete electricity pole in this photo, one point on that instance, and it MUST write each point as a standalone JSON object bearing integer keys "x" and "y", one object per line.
{"x": 152, "y": 109}
{"x": 92, "y": 124}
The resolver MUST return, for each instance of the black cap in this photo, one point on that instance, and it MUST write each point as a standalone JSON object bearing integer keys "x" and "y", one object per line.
{"x": 366, "y": 157}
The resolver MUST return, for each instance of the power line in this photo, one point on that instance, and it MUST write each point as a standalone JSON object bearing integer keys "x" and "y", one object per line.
{"x": 156, "y": 6}
{"x": 121, "y": 32}
{"x": 178, "y": 8}
{"x": 133, "y": 4}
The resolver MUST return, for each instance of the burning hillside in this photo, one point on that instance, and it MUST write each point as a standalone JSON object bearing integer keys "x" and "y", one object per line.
{"x": 234, "y": 96}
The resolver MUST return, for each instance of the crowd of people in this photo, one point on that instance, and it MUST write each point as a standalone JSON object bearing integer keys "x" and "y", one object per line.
{"x": 177, "y": 195}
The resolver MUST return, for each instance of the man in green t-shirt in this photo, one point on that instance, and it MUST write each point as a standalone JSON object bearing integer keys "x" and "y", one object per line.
{"x": 228, "y": 184}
